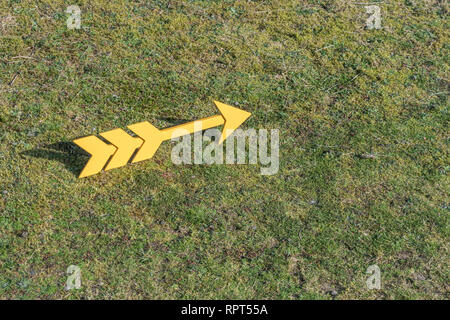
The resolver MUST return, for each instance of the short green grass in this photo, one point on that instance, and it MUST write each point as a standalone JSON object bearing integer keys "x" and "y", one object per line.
{"x": 363, "y": 120}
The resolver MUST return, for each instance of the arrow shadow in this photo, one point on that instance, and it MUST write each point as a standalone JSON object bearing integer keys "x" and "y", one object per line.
{"x": 174, "y": 121}
{"x": 73, "y": 157}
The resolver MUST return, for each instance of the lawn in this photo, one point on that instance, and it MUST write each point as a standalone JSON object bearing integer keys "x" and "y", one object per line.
{"x": 363, "y": 177}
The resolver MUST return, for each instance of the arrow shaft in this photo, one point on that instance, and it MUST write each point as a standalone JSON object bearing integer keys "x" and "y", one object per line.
{"x": 191, "y": 127}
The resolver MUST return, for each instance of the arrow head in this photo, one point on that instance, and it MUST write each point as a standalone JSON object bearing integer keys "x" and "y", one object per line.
{"x": 233, "y": 117}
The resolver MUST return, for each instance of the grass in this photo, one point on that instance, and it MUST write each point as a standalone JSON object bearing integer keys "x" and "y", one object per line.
{"x": 363, "y": 180}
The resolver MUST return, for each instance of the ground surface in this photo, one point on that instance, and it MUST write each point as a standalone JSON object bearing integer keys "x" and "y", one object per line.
{"x": 363, "y": 123}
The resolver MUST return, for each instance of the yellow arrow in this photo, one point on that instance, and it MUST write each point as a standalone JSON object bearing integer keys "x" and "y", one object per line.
{"x": 150, "y": 138}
